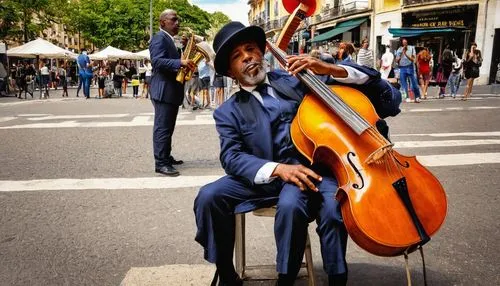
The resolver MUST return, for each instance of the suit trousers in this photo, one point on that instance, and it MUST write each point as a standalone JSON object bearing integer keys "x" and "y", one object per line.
{"x": 163, "y": 129}
{"x": 214, "y": 209}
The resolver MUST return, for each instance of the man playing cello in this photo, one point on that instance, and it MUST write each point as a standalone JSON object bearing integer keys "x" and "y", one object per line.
{"x": 264, "y": 168}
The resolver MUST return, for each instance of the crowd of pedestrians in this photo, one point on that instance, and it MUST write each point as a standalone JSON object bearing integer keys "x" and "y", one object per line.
{"x": 413, "y": 68}
{"x": 206, "y": 89}
{"x": 416, "y": 70}
{"x": 110, "y": 78}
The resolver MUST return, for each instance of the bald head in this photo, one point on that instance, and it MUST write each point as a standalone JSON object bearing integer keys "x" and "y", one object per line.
{"x": 169, "y": 21}
{"x": 166, "y": 13}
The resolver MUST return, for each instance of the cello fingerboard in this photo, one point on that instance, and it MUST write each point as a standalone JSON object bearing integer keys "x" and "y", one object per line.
{"x": 291, "y": 26}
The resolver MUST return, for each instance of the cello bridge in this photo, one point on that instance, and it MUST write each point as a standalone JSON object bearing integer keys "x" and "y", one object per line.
{"x": 378, "y": 155}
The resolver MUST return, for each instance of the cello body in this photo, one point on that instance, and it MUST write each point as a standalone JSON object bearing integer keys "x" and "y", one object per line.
{"x": 390, "y": 205}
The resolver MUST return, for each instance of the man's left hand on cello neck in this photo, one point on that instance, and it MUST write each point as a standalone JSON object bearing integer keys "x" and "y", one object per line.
{"x": 317, "y": 66}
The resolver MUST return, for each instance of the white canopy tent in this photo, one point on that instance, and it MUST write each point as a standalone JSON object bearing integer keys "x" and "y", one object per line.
{"x": 144, "y": 54}
{"x": 111, "y": 53}
{"x": 42, "y": 49}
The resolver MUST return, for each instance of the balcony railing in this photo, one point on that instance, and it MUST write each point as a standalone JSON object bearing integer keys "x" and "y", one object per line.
{"x": 420, "y": 2}
{"x": 348, "y": 7}
{"x": 274, "y": 24}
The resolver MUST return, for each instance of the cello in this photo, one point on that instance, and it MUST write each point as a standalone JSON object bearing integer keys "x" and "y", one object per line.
{"x": 391, "y": 204}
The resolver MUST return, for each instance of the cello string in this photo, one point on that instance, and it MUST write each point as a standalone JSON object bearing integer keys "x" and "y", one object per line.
{"x": 339, "y": 106}
{"x": 324, "y": 91}
{"x": 375, "y": 134}
{"x": 327, "y": 92}
{"x": 313, "y": 82}
{"x": 399, "y": 170}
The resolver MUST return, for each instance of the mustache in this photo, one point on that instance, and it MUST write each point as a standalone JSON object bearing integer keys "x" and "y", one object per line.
{"x": 249, "y": 65}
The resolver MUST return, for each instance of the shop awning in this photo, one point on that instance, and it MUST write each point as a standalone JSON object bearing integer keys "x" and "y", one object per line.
{"x": 339, "y": 29}
{"x": 415, "y": 32}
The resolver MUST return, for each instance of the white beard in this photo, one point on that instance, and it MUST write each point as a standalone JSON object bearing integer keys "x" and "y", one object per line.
{"x": 252, "y": 80}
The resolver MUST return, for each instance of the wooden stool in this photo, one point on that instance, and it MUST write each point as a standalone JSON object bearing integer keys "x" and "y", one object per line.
{"x": 265, "y": 272}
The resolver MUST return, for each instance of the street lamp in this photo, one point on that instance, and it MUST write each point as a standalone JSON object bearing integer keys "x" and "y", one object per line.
{"x": 150, "y": 20}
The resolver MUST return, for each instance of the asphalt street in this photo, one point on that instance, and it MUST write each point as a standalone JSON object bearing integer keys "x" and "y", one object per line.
{"x": 80, "y": 203}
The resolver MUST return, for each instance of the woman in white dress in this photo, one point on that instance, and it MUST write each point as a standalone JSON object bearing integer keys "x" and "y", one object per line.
{"x": 386, "y": 63}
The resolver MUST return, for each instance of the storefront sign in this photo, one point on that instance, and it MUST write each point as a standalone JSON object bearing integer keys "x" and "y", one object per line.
{"x": 452, "y": 17}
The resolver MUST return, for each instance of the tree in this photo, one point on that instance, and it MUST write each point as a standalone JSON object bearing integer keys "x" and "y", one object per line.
{"x": 8, "y": 20}
{"x": 193, "y": 18}
{"x": 120, "y": 23}
{"x": 27, "y": 18}
{"x": 125, "y": 23}
{"x": 218, "y": 19}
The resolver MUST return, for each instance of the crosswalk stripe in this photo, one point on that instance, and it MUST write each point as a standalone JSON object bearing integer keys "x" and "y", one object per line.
{"x": 82, "y": 116}
{"x": 171, "y": 275}
{"x": 450, "y": 109}
{"x": 197, "y": 181}
{"x": 33, "y": 114}
{"x": 450, "y": 134}
{"x": 445, "y": 143}
{"x": 107, "y": 183}
{"x": 135, "y": 122}
{"x": 7, "y": 118}
{"x": 459, "y": 159}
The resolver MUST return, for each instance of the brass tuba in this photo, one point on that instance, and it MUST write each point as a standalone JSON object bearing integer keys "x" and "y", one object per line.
{"x": 196, "y": 52}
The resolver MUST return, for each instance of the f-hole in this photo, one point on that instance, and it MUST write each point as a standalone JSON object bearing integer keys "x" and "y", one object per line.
{"x": 356, "y": 186}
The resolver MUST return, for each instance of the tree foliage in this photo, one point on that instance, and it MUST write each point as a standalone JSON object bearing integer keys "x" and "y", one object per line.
{"x": 125, "y": 23}
{"x": 26, "y": 19}
{"x": 218, "y": 20}
{"x": 120, "y": 23}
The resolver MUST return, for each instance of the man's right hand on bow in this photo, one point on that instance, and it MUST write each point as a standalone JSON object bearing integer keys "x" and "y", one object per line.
{"x": 189, "y": 64}
{"x": 297, "y": 174}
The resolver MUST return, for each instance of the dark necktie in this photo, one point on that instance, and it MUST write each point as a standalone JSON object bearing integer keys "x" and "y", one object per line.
{"x": 271, "y": 104}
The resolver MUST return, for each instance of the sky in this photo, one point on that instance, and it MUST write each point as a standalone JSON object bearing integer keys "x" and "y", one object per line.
{"x": 236, "y": 10}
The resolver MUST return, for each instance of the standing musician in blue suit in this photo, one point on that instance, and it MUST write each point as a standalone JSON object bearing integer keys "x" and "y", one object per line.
{"x": 166, "y": 93}
{"x": 264, "y": 168}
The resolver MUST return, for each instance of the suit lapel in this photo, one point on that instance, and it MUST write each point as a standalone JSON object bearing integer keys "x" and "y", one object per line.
{"x": 170, "y": 42}
{"x": 285, "y": 89}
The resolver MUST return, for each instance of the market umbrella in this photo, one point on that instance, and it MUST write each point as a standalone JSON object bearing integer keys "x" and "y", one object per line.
{"x": 144, "y": 54}
{"x": 112, "y": 53}
{"x": 40, "y": 48}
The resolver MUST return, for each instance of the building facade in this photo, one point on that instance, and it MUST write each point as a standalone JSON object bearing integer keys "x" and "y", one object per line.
{"x": 56, "y": 34}
{"x": 59, "y": 36}
{"x": 435, "y": 24}
{"x": 430, "y": 23}
{"x": 271, "y": 16}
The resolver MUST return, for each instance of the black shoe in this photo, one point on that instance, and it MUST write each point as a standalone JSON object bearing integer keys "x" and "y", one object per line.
{"x": 167, "y": 170}
{"x": 337, "y": 280}
{"x": 236, "y": 281}
{"x": 175, "y": 162}
{"x": 285, "y": 280}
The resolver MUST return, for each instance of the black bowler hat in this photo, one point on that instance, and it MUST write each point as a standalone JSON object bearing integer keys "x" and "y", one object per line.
{"x": 231, "y": 34}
